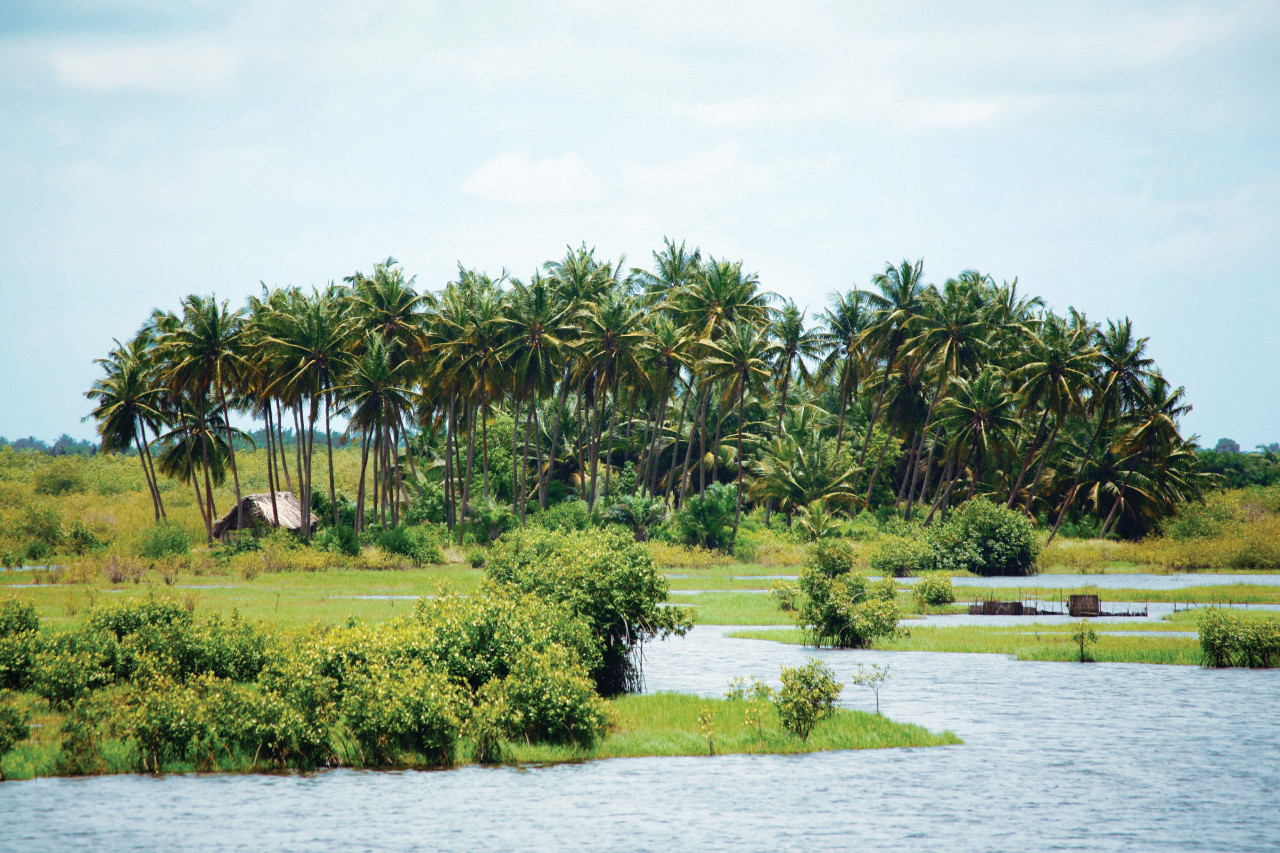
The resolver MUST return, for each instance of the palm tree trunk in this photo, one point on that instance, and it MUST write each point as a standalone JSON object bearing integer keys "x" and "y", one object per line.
{"x": 1026, "y": 463}
{"x": 284, "y": 456}
{"x": 561, "y": 400}
{"x": 299, "y": 446}
{"x": 937, "y": 499}
{"x": 528, "y": 425}
{"x": 537, "y": 440}
{"x": 204, "y": 458}
{"x": 928, "y": 471}
{"x": 578, "y": 449}
{"x": 737, "y": 513}
{"x": 231, "y": 449}
{"x": 700, "y": 414}
{"x": 653, "y": 455}
{"x": 146, "y": 475}
{"x": 715, "y": 448}
{"x": 396, "y": 434}
{"x": 593, "y": 447}
{"x": 879, "y": 460}
{"x": 358, "y": 524}
{"x": 195, "y": 482}
{"x": 844, "y": 403}
{"x": 151, "y": 465}
{"x": 1035, "y": 478}
{"x": 917, "y": 441}
{"x": 871, "y": 424}
{"x": 471, "y": 456}
{"x": 518, "y": 472}
{"x": 450, "y": 503}
{"x": 1093, "y": 440}
{"x": 272, "y": 485}
{"x": 675, "y": 443}
{"x": 608, "y": 447}
{"x": 1124, "y": 486}
{"x": 328, "y": 441}
{"x": 311, "y": 450}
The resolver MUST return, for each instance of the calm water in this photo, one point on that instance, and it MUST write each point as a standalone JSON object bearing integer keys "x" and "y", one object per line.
{"x": 1057, "y": 756}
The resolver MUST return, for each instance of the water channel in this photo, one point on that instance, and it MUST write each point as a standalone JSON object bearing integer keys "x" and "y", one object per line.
{"x": 1057, "y": 756}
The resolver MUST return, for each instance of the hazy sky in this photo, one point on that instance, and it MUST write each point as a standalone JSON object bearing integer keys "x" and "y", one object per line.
{"x": 1121, "y": 158}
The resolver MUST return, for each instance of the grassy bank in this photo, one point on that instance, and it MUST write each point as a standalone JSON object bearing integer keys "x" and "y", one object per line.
{"x": 1026, "y": 642}
{"x": 659, "y": 724}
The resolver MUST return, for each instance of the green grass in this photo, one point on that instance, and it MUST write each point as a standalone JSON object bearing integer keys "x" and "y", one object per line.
{"x": 656, "y": 724}
{"x": 286, "y": 599}
{"x": 1238, "y": 593}
{"x": 1025, "y": 642}
{"x": 733, "y": 608}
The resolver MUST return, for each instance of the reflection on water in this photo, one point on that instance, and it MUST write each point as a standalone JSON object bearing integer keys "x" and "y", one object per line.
{"x": 1096, "y": 757}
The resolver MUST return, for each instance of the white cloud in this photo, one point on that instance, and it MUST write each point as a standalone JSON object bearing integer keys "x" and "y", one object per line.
{"x": 172, "y": 67}
{"x": 514, "y": 179}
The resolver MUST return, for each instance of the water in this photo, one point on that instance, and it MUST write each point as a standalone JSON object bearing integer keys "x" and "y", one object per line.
{"x": 1057, "y": 756}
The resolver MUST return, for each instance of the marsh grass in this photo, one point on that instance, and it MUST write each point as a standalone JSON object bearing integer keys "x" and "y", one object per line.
{"x": 655, "y": 724}
{"x": 1024, "y": 642}
{"x": 733, "y": 608}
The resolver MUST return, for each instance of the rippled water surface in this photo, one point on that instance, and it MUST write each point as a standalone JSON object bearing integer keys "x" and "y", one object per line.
{"x": 1056, "y": 756}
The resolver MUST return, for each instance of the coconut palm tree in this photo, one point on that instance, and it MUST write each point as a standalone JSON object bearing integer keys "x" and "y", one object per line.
{"x": 127, "y": 401}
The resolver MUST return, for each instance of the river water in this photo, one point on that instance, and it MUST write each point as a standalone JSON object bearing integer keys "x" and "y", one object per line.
{"x": 1057, "y": 756}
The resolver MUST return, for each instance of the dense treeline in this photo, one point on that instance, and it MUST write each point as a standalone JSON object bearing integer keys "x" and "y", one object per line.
{"x": 904, "y": 397}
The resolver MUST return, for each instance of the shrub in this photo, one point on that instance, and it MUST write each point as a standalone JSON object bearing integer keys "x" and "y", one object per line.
{"x": 17, "y": 659}
{"x": 683, "y": 557}
{"x": 547, "y": 696}
{"x": 603, "y": 576}
{"x": 638, "y": 513}
{"x": 59, "y": 477}
{"x": 902, "y": 557}
{"x": 42, "y": 525}
{"x": 807, "y": 697}
{"x": 408, "y": 709}
{"x": 833, "y": 557}
{"x": 166, "y": 539}
{"x": 884, "y": 589}
{"x": 17, "y": 616}
{"x": 1205, "y": 520}
{"x": 13, "y": 723}
{"x": 986, "y": 539}
{"x": 476, "y": 557}
{"x": 129, "y": 617}
{"x": 706, "y": 519}
{"x": 490, "y": 519}
{"x": 1232, "y": 639}
{"x": 842, "y": 612}
{"x": 933, "y": 590}
{"x": 70, "y": 666}
{"x": 420, "y": 544}
{"x": 786, "y": 594}
{"x": 572, "y": 514}
{"x": 339, "y": 540}
{"x": 427, "y": 507}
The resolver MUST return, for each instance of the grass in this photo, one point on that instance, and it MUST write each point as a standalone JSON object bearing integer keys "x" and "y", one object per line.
{"x": 656, "y": 724}
{"x": 733, "y": 608}
{"x": 1025, "y": 642}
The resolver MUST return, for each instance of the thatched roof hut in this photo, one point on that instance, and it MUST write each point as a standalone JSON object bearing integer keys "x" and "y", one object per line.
{"x": 256, "y": 511}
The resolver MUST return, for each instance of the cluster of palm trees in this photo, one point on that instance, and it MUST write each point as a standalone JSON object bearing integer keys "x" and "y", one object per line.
{"x": 687, "y": 374}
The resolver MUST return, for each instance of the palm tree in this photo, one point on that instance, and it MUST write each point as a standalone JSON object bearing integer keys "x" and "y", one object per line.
{"x": 794, "y": 345}
{"x": 980, "y": 417}
{"x": 741, "y": 358}
{"x": 204, "y": 354}
{"x": 844, "y": 325}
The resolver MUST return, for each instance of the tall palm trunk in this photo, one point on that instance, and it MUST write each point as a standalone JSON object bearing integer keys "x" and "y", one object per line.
{"x": 146, "y": 474}
{"x": 1035, "y": 478}
{"x": 358, "y": 524}
{"x": 675, "y": 443}
{"x": 528, "y": 425}
{"x": 310, "y": 454}
{"x": 151, "y": 464}
{"x": 871, "y": 424}
{"x": 608, "y": 447}
{"x": 204, "y": 459}
{"x": 844, "y": 403}
{"x": 271, "y": 458}
{"x": 231, "y": 450}
{"x": 561, "y": 400}
{"x": 1070, "y": 495}
{"x": 659, "y": 418}
{"x": 700, "y": 415}
{"x": 924, "y": 431}
{"x": 879, "y": 461}
{"x": 195, "y": 482}
{"x": 471, "y": 456}
{"x": 519, "y": 472}
{"x": 450, "y": 503}
{"x": 737, "y": 513}
{"x": 484, "y": 436}
{"x": 284, "y": 456}
{"x": 1026, "y": 463}
{"x": 328, "y": 441}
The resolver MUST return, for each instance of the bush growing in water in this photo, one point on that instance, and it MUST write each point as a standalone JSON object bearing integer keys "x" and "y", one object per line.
{"x": 903, "y": 556}
{"x": 13, "y": 724}
{"x": 933, "y": 590}
{"x": 1231, "y": 639}
{"x": 603, "y": 576}
{"x": 833, "y": 557}
{"x": 986, "y": 539}
{"x": 807, "y": 697}
{"x": 844, "y": 611}
{"x": 167, "y": 539}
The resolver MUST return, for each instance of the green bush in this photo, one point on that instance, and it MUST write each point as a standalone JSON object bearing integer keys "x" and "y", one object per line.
{"x": 166, "y": 539}
{"x": 833, "y": 557}
{"x": 1232, "y": 639}
{"x": 406, "y": 710}
{"x": 17, "y": 659}
{"x": 490, "y": 519}
{"x": 69, "y": 666}
{"x": 902, "y": 556}
{"x": 13, "y": 723}
{"x": 128, "y": 617}
{"x": 338, "y": 540}
{"x": 427, "y": 506}
{"x": 807, "y": 697}
{"x": 42, "y": 526}
{"x": 59, "y": 477}
{"x": 1206, "y": 520}
{"x": 603, "y": 576}
{"x": 17, "y": 616}
{"x": 638, "y": 513}
{"x": 420, "y": 544}
{"x": 986, "y": 539}
{"x": 933, "y": 590}
{"x": 547, "y": 696}
{"x": 885, "y": 589}
{"x": 706, "y": 519}
{"x": 573, "y": 514}
{"x": 842, "y": 612}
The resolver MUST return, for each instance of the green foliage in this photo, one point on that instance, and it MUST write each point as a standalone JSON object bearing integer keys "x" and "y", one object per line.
{"x": 843, "y": 612}
{"x": 420, "y": 543}
{"x": 427, "y": 506}
{"x": 933, "y": 590}
{"x": 807, "y": 697}
{"x": 572, "y": 514}
{"x": 986, "y": 539}
{"x": 1206, "y": 520}
{"x": 166, "y": 539}
{"x": 17, "y": 658}
{"x": 604, "y": 577}
{"x": 13, "y": 723}
{"x": 1233, "y": 639}
{"x": 638, "y": 513}
{"x": 786, "y": 594}
{"x": 43, "y": 527}
{"x": 1083, "y": 636}
{"x": 884, "y": 589}
{"x": 60, "y": 477}
{"x": 833, "y": 557}
{"x": 489, "y": 519}
{"x": 341, "y": 539}
{"x": 17, "y": 616}
{"x": 873, "y": 678}
{"x": 902, "y": 556}
{"x": 547, "y": 696}
{"x": 126, "y": 618}
{"x": 706, "y": 519}
{"x": 406, "y": 709}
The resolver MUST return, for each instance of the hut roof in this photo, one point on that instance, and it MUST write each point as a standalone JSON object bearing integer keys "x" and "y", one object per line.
{"x": 257, "y": 508}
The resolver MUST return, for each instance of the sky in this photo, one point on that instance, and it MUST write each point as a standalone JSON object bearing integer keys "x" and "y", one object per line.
{"x": 1120, "y": 158}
